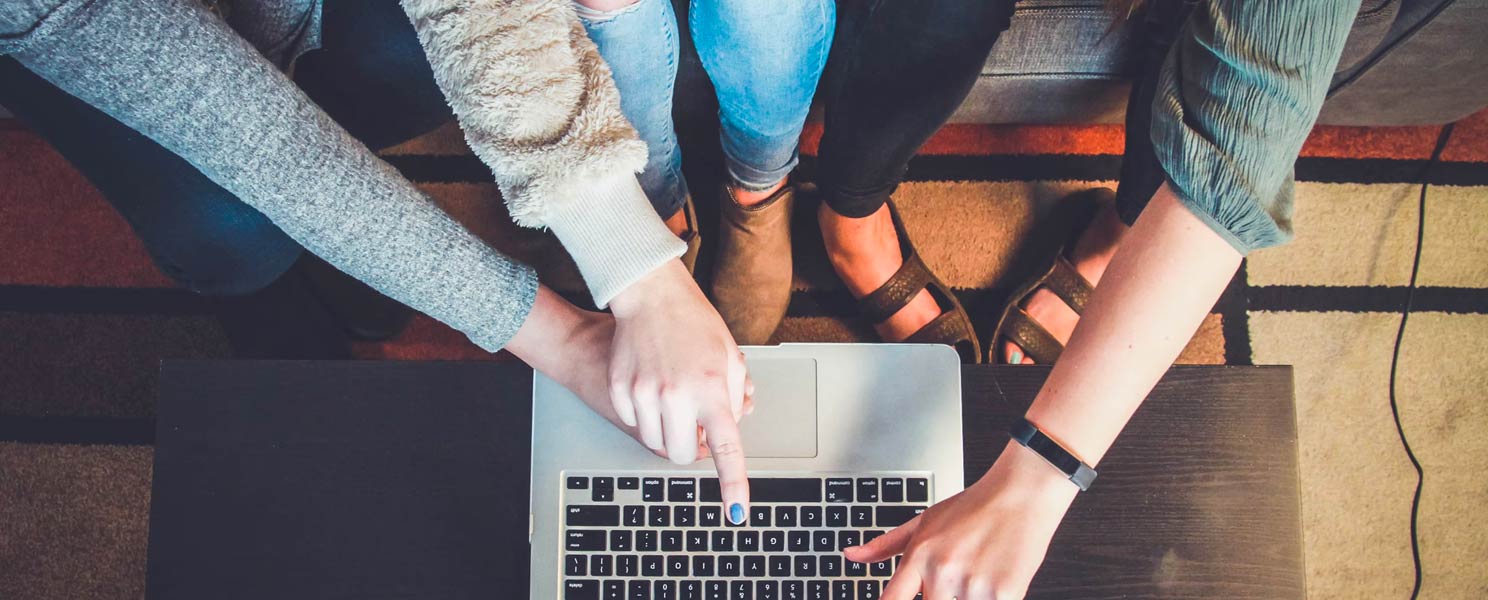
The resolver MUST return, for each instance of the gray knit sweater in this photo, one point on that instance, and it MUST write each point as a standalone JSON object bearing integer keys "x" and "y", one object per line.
{"x": 534, "y": 98}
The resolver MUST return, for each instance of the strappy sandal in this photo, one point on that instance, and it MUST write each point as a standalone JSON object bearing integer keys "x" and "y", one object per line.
{"x": 952, "y": 327}
{"x": 1061, "y": 278}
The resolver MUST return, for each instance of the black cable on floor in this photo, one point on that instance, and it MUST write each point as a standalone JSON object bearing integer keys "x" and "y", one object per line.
{"x": 1410, "y": 296}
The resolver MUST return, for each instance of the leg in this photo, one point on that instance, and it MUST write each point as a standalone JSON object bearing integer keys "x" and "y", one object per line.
{"x": 638, "y": 39}
{"x": 765, "y": 58}
{"x": 899, "y": 69}
{"x": 1141, "y": 176}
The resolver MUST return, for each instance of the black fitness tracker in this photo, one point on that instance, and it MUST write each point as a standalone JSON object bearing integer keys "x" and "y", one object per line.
{"x": 1033, "y": 439}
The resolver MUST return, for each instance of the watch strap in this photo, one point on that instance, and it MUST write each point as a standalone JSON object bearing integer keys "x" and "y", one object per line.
{"x": 1030, "y": 437}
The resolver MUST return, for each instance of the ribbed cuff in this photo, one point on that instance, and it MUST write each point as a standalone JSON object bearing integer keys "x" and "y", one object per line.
{"x": 613, "y": 234}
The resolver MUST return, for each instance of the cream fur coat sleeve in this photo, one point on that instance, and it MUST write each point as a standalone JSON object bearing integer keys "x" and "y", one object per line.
{"x": 538, "y": 106}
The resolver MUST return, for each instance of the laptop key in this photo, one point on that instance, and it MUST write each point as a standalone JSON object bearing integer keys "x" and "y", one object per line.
{"x": 697, "y": 541}
{"x": 634, "y": 516}
{"x": 847, "y": 539}
{"x": 651, "y": 489}
{"x": 651, "y": 565}
{"x": 831, "y": 566}
{"x": 918, "y": 490}
{"x": 716, "y": 590}
{"x": 769, "y": 490}
{"x": 581, "y": 589}
{"x": 629, "y": 483}
{"x": 710, "y": 516}
{"x": 684, "y": 516}
{"x": 576, "y": 565}
{"x": 854, "y": 569}
{"x": 583, "y": 540}
{"x": 894, "y": 516}
{"x": 664, "y": 590}
{"x": 805, "y": 566}
{"x": 723, "y": 541}
{"x": 671, "y": 541}
{"x": 681, "y": 489}
{"x": 767, "y": 590}
{"x": 676, "y": 566}
{"x": 799, "y": 541}
{"x": 639, "y": 590}
{"x": 620, "y": 540}
{"x": 749, "y": 541}
{"x": 626, "y": 565}
{"x": 690, "y": 589}
{"x": 741, "y": 590}
{"x": 780, "y": 566}
{"x": 592, "y": 516}
{"x": 702, "y": 566}
{"x": 601, "y": 565}
{"x": 811, "y": 516}
{"x": 794, "y": 589}
{"x": 818, "y": 590}
{"x": 614, "y": 589}
{"x": 759, "y": 516}
{"x": 823, "y": 541}
{"x": 836, "y": 516}
{"x": 754, "y": 566}
{"x": 773, "y": 541}
{"x": 659, "y": 516}
{"x": 842, "y": 590}
{"x": 869, "y": 536}
{"x": 785, "y": 516}
{"x": 604, "y": 489}
{"x": 868, "y": 590}
{"x": 867, "y": 489}
{"x": 728, "y": 566}
{"x": 839, "y": 490}
{"x": 892, "y": 490}
{"x": 882, "y": 568}
{"x": 578, "y": 483}
{"x": 862, "y": 516}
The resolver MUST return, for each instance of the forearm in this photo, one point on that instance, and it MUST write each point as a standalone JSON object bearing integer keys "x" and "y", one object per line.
{"x": 1161, "y": 283}
{"x": 174, "y": 72}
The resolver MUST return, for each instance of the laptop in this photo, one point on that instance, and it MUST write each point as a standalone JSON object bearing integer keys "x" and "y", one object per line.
{"x": 847, "y": 441}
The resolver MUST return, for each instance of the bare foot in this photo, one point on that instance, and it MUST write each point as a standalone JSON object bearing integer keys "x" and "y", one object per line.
{"x": 1091, "y": 255}
{"x": 865, "y": 254}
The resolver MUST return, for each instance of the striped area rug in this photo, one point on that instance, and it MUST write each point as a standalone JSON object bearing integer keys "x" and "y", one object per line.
{"x": 84, "y": 318}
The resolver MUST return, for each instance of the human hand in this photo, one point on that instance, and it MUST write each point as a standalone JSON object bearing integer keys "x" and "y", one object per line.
{"x": 673, "y": 367}
{"x": 572, "y": 347}
{"x": 981, "y": 544}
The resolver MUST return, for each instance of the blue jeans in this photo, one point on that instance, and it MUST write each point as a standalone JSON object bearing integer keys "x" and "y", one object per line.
{"x": 764, "y": 58}
{"x": 370, "y": 75}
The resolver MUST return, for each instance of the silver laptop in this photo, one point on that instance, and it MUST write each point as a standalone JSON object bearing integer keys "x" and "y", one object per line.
{"x": 846, "y": 442}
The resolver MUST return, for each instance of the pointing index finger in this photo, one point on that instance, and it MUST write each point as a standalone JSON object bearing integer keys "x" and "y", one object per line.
{"x": 727, "y": 448}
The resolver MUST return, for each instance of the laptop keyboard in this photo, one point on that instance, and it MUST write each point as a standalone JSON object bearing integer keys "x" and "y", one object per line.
{"x": 629, "y": 536}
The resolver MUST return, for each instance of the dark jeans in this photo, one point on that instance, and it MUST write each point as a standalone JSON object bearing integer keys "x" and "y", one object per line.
{"x": 370, "y": 75}
{"x": 1141, "y": 173}
{"x": 897, "y": 71}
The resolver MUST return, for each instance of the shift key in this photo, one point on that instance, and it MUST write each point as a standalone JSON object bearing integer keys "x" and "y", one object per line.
{"x": 769, "y": 489}
{"x": 894, "y": 516}
{"x": 593, "y": 516}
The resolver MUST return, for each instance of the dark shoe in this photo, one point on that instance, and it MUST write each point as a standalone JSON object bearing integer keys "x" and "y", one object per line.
{"x": 752, "y": 278}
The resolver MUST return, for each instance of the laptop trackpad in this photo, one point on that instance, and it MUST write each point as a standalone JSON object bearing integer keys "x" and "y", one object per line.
{"x": 783, "y": 424}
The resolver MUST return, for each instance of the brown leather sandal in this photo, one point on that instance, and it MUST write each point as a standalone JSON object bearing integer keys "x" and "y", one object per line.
{"x": 952, "y": 327}
{"x": 1063, "y": 280}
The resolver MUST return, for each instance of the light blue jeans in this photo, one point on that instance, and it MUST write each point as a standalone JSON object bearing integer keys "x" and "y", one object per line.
{"x": 764, "y": 58}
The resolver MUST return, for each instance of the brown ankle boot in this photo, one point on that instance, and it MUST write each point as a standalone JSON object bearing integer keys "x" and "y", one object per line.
{"x": 752, "y": 278}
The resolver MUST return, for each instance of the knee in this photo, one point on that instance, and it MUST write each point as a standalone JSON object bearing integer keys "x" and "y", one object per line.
{"x": 225, "y": 252}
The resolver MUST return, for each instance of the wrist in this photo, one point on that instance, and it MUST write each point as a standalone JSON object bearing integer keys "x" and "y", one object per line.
{"x": 653, "y": 290}
{"x": 1025, "y": 470}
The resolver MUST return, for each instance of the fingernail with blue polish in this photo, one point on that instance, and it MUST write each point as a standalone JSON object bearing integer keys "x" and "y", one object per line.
{"x": 736, "y": 514}
{"x": 1016, "y": 359}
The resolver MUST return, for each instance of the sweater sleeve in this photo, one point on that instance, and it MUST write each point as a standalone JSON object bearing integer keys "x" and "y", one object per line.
{"x": 1236, "y": 98}
{"x": 174, "y": 72}
{"x": 538, "y": 106}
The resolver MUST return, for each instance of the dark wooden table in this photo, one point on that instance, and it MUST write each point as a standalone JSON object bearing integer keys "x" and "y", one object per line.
{"x": 393, "y": 480}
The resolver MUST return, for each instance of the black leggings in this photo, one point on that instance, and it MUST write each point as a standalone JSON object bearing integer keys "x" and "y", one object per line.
{"x": 899, "y": 68}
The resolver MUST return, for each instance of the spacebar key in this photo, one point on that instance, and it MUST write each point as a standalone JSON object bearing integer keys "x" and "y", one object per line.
{"x": 770, "y": 489}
